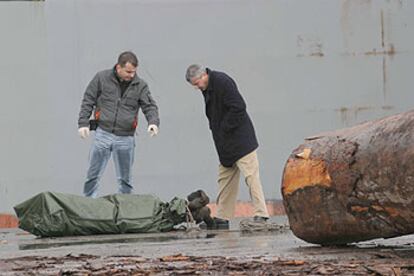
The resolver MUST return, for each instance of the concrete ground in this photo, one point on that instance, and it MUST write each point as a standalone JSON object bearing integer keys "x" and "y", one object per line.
{"x": 19, "y": 250}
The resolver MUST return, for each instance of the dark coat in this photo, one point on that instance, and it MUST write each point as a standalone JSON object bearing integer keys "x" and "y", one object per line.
{"x": 232, "y": 129}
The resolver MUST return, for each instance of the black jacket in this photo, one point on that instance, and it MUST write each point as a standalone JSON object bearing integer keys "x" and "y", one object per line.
{"x": 115, "y": 111}
{"x": 232, "y": 129}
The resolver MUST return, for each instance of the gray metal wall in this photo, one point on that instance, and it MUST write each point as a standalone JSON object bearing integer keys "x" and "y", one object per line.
{"x": 303, "y": 67}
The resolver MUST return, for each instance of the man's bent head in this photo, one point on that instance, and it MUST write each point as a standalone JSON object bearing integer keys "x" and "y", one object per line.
{"x": 197, "y": 76}
{"x": 127, "y": 65}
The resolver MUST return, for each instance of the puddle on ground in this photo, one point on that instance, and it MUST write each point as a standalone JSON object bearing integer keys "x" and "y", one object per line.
{"x": 34, "y": 246}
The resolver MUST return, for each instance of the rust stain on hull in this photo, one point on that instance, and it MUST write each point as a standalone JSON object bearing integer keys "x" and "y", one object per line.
{"x": 301, "y": 173}
{"x": 387, "y": 48}
{"x": 387, "y": 52}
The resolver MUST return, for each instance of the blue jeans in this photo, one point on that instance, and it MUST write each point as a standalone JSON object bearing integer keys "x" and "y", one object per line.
{"x": 122, "y": 149}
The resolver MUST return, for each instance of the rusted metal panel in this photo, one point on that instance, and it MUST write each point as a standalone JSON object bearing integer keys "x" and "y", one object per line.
{"x": 353, "y": 184}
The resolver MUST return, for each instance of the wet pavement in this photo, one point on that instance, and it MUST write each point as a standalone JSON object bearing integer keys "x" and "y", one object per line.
{"x": 159, "y": 253}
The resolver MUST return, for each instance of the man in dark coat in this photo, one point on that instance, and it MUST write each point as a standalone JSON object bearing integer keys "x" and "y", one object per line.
{"x": 234, "y": 138}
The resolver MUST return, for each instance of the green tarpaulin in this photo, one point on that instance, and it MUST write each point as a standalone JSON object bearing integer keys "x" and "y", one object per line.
{"x": 55, "y": 214}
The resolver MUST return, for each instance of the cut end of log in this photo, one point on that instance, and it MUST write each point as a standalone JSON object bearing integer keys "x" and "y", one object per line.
{"x": 304, "y": 172}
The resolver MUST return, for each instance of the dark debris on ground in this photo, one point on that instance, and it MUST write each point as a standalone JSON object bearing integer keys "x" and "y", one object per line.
{"x": 191, "y": 265}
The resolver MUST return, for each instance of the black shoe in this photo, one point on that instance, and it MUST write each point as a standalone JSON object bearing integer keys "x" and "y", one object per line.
{"x": 221, "y": 224}
{"x": 260, "y": 219}
{"x": 218, "y": 224}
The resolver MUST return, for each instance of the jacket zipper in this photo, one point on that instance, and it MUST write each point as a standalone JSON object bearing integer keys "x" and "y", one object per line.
{"x": 117, "y": 104}
{"x": 117, "y": 107}
{"x": 116, "y": 114}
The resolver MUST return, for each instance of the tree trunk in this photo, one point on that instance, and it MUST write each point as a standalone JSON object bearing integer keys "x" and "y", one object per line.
{"x": 353, "y": 184}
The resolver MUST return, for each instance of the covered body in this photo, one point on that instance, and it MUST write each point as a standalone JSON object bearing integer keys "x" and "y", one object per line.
{"x": 55, "y": 214}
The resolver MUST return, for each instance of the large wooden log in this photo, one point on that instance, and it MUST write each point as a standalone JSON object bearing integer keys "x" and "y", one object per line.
{"x": 353, "y": 184}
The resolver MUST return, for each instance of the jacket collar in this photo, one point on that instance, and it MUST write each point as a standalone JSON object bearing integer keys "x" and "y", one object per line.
{"x": 210, "y": 79}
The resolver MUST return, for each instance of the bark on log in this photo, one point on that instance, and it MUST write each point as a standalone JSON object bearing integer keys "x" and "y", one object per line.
{"x": 353, "y": 184}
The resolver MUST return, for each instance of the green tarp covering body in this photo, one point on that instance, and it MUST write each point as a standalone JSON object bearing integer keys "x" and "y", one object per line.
{"x": 55, "y": 214}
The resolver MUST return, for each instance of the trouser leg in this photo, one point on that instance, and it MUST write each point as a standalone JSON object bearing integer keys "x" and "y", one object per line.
{"x": 123, "y": 157}
{"x": 98, "y": 158}
{"x": 229, "y": 179}
{"x": 249, "y": 166}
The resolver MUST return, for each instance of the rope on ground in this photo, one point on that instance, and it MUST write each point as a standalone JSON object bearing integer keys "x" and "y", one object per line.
{"x": 189, "y": 225}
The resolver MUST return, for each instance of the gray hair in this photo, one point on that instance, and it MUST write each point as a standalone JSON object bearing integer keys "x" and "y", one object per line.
{"x": 194, "y": 71}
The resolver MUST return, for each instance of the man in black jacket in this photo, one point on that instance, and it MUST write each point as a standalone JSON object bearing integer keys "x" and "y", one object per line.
{"x": 116, "y": 95}
{"x": 235, "y": 141}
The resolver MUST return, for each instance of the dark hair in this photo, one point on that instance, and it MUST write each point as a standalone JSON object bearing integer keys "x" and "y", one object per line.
{"x": 126, "y": 57}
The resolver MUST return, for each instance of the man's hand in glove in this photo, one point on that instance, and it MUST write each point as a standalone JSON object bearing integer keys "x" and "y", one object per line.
{"x": 83, "y": 132}
{"x": 152, "y": 130}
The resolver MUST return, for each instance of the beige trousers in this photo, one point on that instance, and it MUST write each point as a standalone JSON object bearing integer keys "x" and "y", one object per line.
{"x": 229, "y": 179}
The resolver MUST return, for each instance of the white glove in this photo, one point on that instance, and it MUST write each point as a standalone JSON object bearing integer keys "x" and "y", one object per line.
{"x": 152, "y": 130}
{"x": 83, "y": 132}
